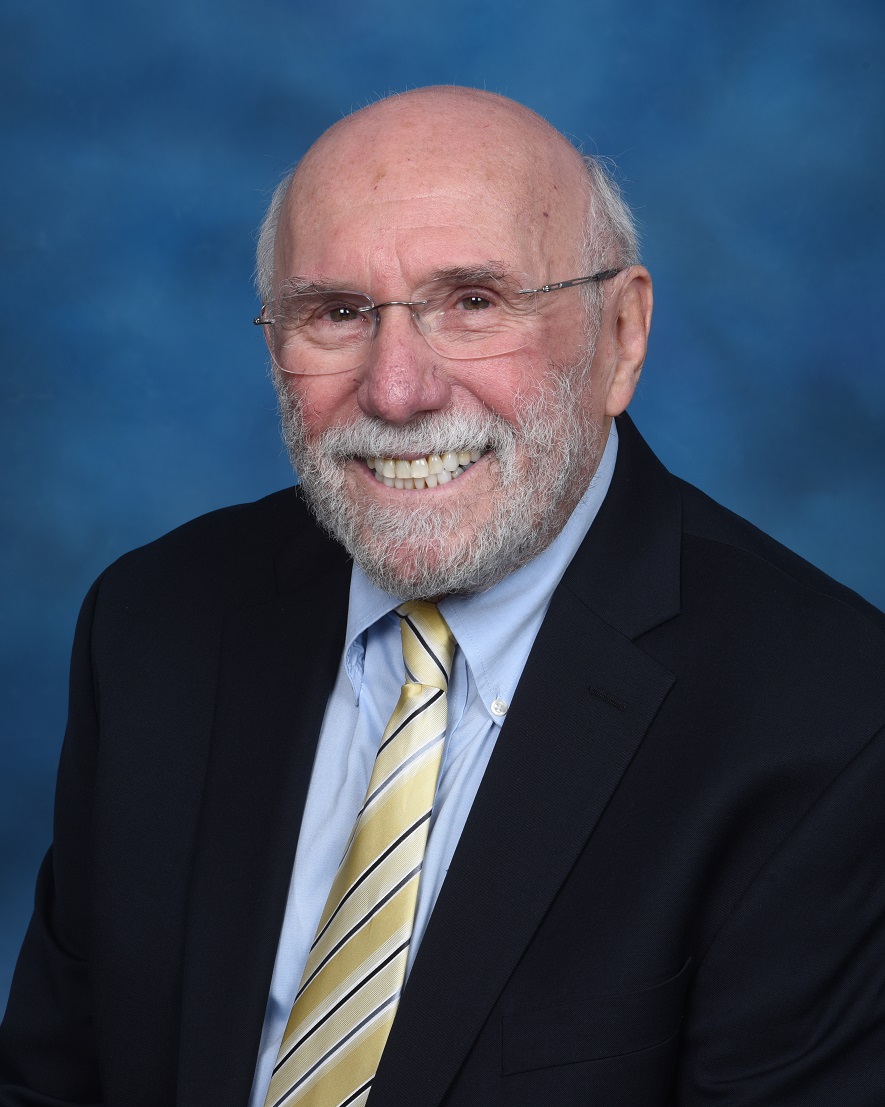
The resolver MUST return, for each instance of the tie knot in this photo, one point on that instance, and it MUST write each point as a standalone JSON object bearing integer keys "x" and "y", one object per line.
{"x": 428, "y": 644}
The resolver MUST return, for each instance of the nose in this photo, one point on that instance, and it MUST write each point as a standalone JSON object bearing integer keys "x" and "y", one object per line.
{"x": 400, "y": 378}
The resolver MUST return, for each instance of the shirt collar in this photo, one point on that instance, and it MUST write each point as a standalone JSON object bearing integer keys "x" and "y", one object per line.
{"x": 494, "y": 629}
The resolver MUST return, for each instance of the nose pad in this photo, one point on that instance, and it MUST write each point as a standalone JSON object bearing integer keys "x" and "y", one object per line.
{"x": 421, "y": 324}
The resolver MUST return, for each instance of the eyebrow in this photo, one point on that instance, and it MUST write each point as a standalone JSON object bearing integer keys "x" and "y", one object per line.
{"x": 315, "y": 284}
{"x": 483, "y": 273}
{"x": 495, "y": 272}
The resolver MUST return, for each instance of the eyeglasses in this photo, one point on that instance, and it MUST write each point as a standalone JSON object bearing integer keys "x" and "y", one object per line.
{"x": 322, "y": 331}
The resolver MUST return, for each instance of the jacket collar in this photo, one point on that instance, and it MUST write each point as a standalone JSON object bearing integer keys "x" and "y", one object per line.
{"x": 628, "y": 571}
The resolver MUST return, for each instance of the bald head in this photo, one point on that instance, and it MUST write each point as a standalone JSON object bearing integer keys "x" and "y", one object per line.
{"x": 464, "y": 146}
{"x": 469, "y": 107}
{"x": 480, "y": 134}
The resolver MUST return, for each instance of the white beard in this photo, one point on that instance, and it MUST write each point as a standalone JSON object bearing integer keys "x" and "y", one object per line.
{"x": 421, "y": 550}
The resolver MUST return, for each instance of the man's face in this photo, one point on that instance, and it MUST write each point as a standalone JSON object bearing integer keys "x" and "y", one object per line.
{"x": 369, "y": 218}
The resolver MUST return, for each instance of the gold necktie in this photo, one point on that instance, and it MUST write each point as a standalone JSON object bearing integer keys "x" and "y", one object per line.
{"x": 356, "y": 967}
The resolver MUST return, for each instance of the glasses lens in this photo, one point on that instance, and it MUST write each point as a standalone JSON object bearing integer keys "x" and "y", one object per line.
{"x": 331, "y": 332}
{"x": 321, "y": 332}
{"x": 463, "y": 321}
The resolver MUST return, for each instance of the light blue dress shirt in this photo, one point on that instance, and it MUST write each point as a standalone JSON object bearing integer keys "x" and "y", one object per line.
{"x": 495, "y": 631}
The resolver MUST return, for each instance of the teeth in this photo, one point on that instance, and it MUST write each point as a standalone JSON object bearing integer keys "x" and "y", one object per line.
{"x": 429, "y": 472}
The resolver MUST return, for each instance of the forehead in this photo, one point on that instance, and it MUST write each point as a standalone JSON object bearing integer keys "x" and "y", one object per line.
{"x": 388, "y": 205}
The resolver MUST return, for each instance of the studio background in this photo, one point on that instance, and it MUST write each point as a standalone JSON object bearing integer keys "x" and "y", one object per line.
{"x": 142, "y": 141}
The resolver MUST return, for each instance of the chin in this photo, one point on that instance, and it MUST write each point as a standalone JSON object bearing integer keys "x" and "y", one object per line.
{"x": 430, "y": 551}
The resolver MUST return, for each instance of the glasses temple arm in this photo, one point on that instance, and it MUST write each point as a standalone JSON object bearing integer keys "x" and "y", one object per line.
{"x": 603, "y": 275}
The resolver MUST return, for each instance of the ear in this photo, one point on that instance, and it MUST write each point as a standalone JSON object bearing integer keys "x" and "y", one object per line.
{"x": 628, "y": 321}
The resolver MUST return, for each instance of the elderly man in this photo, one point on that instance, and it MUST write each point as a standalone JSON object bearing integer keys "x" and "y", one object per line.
{"x": 530, "y": 776}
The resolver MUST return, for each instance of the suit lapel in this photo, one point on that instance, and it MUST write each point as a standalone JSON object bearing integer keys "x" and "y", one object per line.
{"x": 559, "y": 757}
{"x": 278, "y": 664}
{"x": 584, "y": 704}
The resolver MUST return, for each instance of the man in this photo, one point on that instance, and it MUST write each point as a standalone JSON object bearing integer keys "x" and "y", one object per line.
{"x": 653, "y": 867}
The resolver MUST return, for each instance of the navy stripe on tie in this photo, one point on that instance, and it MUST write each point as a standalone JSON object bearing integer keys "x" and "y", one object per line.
{"x": 428, "y": 648}
{"x": 356, "y": 1094}
{"x": 375, "y": 909}
{"x": 337, "y": 1046}
{"x": 412, "y": 715}
{"x": 400, "y": 769}
{"x": 368, "y": 872}
{"x": 391, "y": 957}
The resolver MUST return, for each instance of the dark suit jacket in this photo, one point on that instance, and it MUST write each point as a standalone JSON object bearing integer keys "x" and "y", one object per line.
{"x": 669, "y": 889}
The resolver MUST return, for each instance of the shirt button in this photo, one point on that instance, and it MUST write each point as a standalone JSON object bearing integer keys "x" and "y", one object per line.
{"x": 499, "y": 707}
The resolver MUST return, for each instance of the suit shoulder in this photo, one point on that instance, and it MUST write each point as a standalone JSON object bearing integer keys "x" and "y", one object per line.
{"x": 752, "y": 555}
{"x": 771, "y": 639}
{"x": 232, "y": 551}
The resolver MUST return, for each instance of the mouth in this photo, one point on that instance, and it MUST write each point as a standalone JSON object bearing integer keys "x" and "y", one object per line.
{"x": 422, "y": 472}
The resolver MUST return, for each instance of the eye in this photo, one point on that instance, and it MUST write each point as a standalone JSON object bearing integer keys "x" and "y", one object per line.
{"x": 337, "y": 312}
{"x": 474, "y": 301}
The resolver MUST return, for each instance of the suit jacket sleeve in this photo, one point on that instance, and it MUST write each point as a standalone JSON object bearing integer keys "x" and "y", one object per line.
{"x": 47, "y": 1046}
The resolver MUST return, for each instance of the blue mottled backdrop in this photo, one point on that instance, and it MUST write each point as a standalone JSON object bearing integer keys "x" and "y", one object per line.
{"x": 141, "y": 141}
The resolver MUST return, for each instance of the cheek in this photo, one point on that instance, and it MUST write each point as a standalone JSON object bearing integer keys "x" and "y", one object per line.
{"x": 324, "y": 401}
{"x": 502, "y": 385}
{"x": 507, "y": 384}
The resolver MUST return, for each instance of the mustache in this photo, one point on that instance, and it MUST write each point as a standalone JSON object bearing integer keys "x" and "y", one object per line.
{"x": 433, "y": 433}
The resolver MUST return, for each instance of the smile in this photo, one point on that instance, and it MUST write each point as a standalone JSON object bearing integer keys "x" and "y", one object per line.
{"x": 423, "y": 472}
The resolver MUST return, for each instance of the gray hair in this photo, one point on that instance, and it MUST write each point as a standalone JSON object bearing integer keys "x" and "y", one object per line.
{"x": 610, "y": 236}
{"x": 266, "y": 236}
{"x": 611, "y": 240}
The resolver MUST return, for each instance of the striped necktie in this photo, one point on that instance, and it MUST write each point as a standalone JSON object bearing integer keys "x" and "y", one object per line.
{"x": 356, "y": 967}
